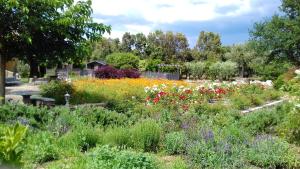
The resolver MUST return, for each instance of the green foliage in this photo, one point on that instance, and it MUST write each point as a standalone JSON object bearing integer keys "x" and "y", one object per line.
{"x": 57, "y": 90}
{"x": 23, "y": 69}
{"x": 81, "y": 138}
{"x": 146, "y": 135}
{"x": 243, "y": 55}
{"x": 55, "y": 33}
{"x": 216, "y": 150}
{"x": 289, "y": 128}
{"x": 277, "y": 36}
{"x": 197, "y": 69}
{"x": 222, "y": 70}
{"x": 262, "y": 121}
{"x": 175, "y": 143}
{"x": 33, "y": 116}
{"x": 152, "y": 64}
{"x": 106, "y": 157}
{"x": 208, "y": 47}
{"x": 123, "y": 60}
{"x": 120, "y": 137}
{"x": 41, "y": 148}
{"x": 11, "y": 142}
{"x": 270, "y": 152}
{"x": 272, "y": 70}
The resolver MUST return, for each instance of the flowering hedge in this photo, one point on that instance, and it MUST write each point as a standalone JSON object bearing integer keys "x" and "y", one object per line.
{"x": 183, "y": 96}
{"x": 108, "y": 72}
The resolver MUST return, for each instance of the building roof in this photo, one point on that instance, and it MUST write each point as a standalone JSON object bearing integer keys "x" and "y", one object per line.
{"x": 97, "y": 62}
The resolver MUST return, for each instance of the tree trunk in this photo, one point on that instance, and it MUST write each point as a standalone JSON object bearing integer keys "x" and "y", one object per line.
{"x": 2, "y": 79}
{"x": 43, "y": 71}
{"x": 34, "y": 68}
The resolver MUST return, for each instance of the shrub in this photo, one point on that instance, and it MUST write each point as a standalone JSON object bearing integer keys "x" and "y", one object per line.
{"x": 210, "y": 151}
{"x": 197, "y": 69}
{"x": 11, "y": 140}
{"x": 261, "y": 121}
{"x": 41, "y": 148}
{"x": 272, "y": 70}
{"x": 152, "y": 64}
{"x": 106, "y": 157}
{"x": 289, "y": 128}
{"x": 241, "y": 102}
{"x": 23, "y": 69}
{"x": 108, "y": 72}
{"x": 222, "y": 70}
{"x": 57, "y": 90}
{"x": 26, "y": 115}
{"x": 228, "y": 70}
{"x": 81, "y": 138}
{"x": 123, "y": 60}
{"x": 175, "y": 143}
{"x": 146, "y": 135}
{"x": 101, "y": 116}
{"x": 269, "y": 152}
{"x": 119, "y": 137}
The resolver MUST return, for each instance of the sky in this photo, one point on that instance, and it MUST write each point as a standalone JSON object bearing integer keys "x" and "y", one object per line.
{"x": 232, "y": 19}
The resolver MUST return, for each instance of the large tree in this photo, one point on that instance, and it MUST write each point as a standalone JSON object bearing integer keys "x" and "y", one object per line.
{"x": 45, "y": 31}
{"x": 208, "y": 46}
{"x": 279, "y": 36}
{"x": 243, "y": 55}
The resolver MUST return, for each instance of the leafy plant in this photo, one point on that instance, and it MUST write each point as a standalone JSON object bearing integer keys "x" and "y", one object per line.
{"x": 146, "y": 135}
{"x": 270, "y": 152}
{"x": 175, "y": 143}
{"x": 57, "y": 90}
{"x": 41, "y": 148}
{"x": 11, "y": 142}
{"x": 123, "y": 60}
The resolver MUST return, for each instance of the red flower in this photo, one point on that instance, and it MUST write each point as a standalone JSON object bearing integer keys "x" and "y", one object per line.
{"x": 160, "y": 94}
{"x": 182, "y": 97}
{"x": 156, "y": 100}
{"x": 188, "y": 91}
{"x": 148, "y": 98}
{"x": 185, "y": 107}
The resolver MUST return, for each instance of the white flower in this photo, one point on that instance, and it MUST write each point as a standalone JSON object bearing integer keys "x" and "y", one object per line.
{"x": 297, "y": 72}
{"x": 147, "y": 89}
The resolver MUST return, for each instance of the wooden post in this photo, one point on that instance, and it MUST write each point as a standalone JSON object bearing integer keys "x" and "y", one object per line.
{"x": 2, "y": 79}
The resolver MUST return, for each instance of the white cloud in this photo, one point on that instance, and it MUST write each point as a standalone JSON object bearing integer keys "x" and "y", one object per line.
{"x": 169, "y": 11}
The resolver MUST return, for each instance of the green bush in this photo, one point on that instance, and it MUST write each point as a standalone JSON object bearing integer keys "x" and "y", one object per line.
{"x": 41, "y": 148}
{"x": 146, "y": 135}
{"x": 152, "y": 64}
{"x": 82, "y": 138}
{"x": 289, "y": 128}
{"x": 261, "y": 121}
{"x": 23, "y": 69}
{"x": 272, "y": 70}
{"x": 197, "y": 69}
{"x": 211, "y": 151}
{"x": 57, "y": 90}
{"x": 241, "y": 102}
{"x": 123, "y": 60}
{"x": 175, "y": 143}
{"x": 119, "y": 137}
{"x": 11, "y": 142}
{"x": 29, "y": 115}
{"x": 222, "y": 70}
{"x": 270, "y": 152}
{"x": 106, "y": 157}
{"x": 101, "y": 116}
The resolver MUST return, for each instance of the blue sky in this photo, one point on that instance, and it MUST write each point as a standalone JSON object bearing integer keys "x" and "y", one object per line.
{"x": 232, "y": 19}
